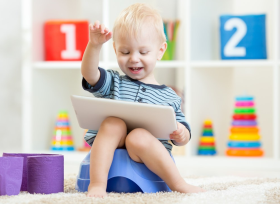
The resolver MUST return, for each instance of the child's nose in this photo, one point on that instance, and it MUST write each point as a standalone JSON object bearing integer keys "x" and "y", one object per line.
{"x": 134, "y": 58}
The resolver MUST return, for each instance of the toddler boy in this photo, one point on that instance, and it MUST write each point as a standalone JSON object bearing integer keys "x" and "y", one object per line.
{"x": 139, "y": 42}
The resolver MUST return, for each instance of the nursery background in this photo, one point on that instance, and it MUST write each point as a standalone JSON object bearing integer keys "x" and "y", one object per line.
{"x": 223, "y": 60}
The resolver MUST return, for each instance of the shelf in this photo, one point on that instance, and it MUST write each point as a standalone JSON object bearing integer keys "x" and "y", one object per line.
{"x": 108, "y": 65}
{"x": 231, "y": 63}
{"x": 160, "y": 64}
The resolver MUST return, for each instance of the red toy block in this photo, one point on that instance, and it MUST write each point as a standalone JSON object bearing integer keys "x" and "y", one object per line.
{"x": 65, "y": 40}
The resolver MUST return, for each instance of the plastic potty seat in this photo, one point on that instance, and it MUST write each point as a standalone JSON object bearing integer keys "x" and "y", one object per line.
{"x": 125, "y": 175}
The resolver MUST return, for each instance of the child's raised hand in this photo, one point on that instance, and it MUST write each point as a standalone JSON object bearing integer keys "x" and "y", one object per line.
{"x": 98, "y": 34}
{"x": 179, "y": 135}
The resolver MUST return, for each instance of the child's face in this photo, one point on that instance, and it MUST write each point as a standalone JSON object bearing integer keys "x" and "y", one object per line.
{"x": 137, "y": 57}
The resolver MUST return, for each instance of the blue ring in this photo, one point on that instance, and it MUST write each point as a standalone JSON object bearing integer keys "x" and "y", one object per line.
{"x": 62, "y": 124}
{"x": 244, "y": 98}
{"x": 63, "y": 148}
{"x": 244, "y": 144}
{"x": 207, "y": 152}
{"x": 207, "y": 134}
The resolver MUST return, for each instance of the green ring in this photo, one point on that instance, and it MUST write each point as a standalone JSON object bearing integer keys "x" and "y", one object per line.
{"x": 206, "y": 148}
{"x": 244, "y": 110}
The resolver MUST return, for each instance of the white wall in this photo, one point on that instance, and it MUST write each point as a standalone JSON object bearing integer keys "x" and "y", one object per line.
{"x": 10, "y": 75}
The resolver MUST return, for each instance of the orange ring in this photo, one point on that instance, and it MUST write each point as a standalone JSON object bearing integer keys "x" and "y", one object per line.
{"x": 244, "y": 129}
{"x": 244, "y": 152}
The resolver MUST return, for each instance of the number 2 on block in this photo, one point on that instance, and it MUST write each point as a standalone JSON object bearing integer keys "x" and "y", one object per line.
{"x": 70, "y": 42}
{"x": 230, "y": 49}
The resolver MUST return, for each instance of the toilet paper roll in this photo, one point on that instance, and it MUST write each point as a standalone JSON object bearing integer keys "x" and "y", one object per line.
{"x": 42, "y": 173}
{"x": 24, "y": 174}
{"x": 45, "y": 174}
{"x": 10, "y": 175}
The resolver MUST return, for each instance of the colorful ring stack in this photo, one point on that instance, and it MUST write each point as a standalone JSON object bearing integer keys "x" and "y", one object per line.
{"x": 207, "y": 140}
{"x": 244, "y": 138}
{"x": 62, "y": 137}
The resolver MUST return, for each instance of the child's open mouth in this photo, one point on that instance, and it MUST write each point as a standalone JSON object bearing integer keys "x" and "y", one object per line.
{"x": 135, "y": 70}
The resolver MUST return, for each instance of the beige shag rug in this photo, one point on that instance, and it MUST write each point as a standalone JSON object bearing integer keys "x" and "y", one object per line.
{"x": 220, "y": 190}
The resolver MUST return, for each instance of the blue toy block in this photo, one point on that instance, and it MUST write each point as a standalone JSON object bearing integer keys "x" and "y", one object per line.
{"x": 243, "y": 37}
{"x": 125, "y": 175}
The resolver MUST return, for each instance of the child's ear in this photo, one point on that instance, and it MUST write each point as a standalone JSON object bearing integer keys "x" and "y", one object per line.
{"x": 114, "y": 45}
{"x": 162, "y": 50}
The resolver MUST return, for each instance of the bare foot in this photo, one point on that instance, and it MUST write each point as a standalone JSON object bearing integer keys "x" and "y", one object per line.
{"x": 183, "y": 187}
{"x": 96, "y": 191}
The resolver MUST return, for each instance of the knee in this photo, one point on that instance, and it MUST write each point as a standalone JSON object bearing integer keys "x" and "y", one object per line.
{"x": 138, "y": 139}
{"x": 114, "y": 124}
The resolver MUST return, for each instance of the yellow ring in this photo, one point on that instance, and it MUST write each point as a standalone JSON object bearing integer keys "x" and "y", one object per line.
{"x": 62, "y": 143}
{"x": 207, "y": 139}
{"x": 247, "y": 137}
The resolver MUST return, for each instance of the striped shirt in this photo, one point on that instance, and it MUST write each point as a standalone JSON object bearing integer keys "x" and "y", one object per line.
{"x": 112, "y": 85}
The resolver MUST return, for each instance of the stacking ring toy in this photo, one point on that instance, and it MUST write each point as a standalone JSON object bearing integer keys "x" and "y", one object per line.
{"x": 244, "y": 144}
{"x": 244, "y": 116}
{"x": 244, "y": 137}
{"x": 244, "y": 129}
{"x": 207, "y": 139}
{"x": 244, "y": 152}
{"x": 244, "y": 110}
{"x": 244, "y": 123}
{"x": 244, "y": 98}
{"x": 244, "y": 104}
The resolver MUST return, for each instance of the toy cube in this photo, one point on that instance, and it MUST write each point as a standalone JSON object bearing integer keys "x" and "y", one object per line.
{"x": 65, "y": 40}
{"x": 243, "y": 37}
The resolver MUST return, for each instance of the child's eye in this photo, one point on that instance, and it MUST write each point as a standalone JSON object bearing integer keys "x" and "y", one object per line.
{"x": 125, "y": 53}
{"x": 143, "y": 53}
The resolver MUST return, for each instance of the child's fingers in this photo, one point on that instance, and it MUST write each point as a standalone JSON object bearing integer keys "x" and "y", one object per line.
{"x": 108, "y": 36}
{"x": 91, "y": 27}
{"x": 102, "y": 28}
{"x": 177, "y": 132}
{"x": 96, "y": 24}
{"x": 106, "y": 30}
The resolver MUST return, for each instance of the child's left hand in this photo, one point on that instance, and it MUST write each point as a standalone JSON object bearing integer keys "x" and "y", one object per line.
{"x": 179, "y": 135}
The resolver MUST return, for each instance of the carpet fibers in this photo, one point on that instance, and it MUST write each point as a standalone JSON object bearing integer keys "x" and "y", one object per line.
{"x": 219, "y": 190}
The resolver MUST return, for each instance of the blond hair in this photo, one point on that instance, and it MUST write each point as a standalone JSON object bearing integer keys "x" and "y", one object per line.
{"x": 131, "y": 20}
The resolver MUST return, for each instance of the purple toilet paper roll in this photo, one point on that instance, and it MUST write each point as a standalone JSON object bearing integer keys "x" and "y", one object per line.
{"x": 24, "y": 175}
{"x": 45, "y": 174}
{"x": 10, "y": 175}
{"x": 38, "y": 168}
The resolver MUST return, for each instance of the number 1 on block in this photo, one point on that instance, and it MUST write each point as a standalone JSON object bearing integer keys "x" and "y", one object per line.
{"x": 70, "y": 42}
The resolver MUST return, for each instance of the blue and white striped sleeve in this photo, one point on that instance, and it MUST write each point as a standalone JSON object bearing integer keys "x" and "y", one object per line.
{"x": 104, "y": 85}
{"x": 180, "y": 117}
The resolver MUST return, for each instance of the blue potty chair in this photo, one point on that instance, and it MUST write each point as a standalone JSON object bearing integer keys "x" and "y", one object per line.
{"x": 125, "y": 176}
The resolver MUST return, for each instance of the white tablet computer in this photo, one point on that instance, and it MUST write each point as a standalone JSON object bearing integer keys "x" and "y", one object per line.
{"x": 159, "y": 120}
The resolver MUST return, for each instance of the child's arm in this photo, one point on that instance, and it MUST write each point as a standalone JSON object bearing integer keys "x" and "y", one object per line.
{"x": 181, "y": 136}
{"x": 98, "y": 35}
